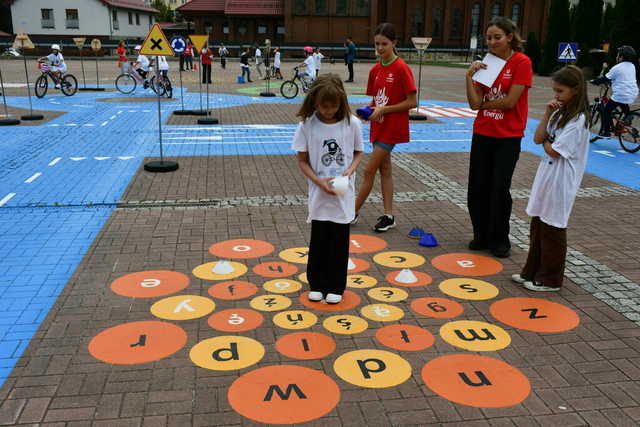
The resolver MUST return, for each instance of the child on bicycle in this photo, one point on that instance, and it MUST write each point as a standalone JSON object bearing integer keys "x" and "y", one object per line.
{"x": 564, "y": 135}
{"x": 58, "y": 66}
{"x": 309, "y": 63}
{"x": 142, "y": 66}
{"x": 623, "y": 78}
{"x": 328, "y": 143}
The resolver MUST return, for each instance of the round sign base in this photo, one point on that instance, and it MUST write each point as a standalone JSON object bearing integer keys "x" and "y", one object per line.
{"x": 92, "y": 89}
{"x": 183, "y": 112}
{"x": 267, "y": 94}
{"x": 211, "y": 121}
{"x": 161, "y": 166}
{"x": 415, "y": 116}
{"x": 9, "y": 122}
{"x": 30, "y": 117}
{"x": 199, "y": 113}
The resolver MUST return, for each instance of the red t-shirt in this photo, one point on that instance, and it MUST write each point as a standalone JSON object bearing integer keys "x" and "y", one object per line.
{"x": 506, "y": 123}
{"x": 206, "y": 56}
{"x": 390, "y": 85}
{"x": 121, "y": 54}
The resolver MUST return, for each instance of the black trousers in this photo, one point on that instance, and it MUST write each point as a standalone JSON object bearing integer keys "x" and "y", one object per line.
{"x": 350, "y": 68}
{"x": 607, "y": 119}
{"x": 182, "y": 62}
{"x": 547, "y": 253}
{"x": 206, "y": 73}
{"x": 188, "y": 60}
{"x": 493, "y": 161}
{"x": 328, "y": 257}
{"x": 223, "y": 62}
{"x": 245, "y": 70}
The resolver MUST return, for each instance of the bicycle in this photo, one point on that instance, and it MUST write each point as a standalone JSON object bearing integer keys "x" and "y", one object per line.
{"x": 162, "y": 86}
{"x": 68, "y": 83}
{"x": 289, "y": 88}
{"x": 127, "y": 82}
{"x": 626, "y": 122}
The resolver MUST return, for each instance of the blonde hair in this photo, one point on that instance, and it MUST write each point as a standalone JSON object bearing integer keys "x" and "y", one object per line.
{"x": 326, "y": 89}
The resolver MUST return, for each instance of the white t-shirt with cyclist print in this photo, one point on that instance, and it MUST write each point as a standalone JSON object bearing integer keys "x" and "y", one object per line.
{"x": 623, "y": 82}
{"x": 310, "y": 67}
{"x": 57, "y": 62}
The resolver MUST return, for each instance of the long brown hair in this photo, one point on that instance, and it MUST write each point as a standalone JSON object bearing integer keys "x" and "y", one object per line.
{"x": 508, "y": 26}
{"x": 572, "y": 77}
{"x": 326, "y": 89}
{"x": 389, "y": 31}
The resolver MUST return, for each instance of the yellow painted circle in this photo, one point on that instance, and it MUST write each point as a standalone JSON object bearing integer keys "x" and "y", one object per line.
{"x": 282, "y": 286}
{"x": 303, "y": 277}
{"x": 297, "y": 255}
{"x": 382, "y": 312}
{"x": 183, "y": 307}
{"x": 226, "y": 353}
{"x": 469, "y": 289}
{"x": 360, "y": 281}
{"x": 295, "y": 319}
{"x": 388, "y": 294}
{"x": 220, "y": 270}
{"x": 372, "y": 368}
{"x": 270, "y": 302}
{"x": 399, "y": 259}
{"x": 474, "y": 335}
{"x": 345, "y": 324}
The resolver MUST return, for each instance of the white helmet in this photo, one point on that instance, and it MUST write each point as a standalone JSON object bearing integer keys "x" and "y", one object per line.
{"x": 55, "y": 47}
{"x": 138, "y": 47}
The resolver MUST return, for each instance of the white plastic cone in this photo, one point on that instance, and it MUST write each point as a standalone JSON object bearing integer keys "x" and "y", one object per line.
{"x": 222, "y": 267}
{"x": 351, "y": 265}
{"x": 406, "y": 276}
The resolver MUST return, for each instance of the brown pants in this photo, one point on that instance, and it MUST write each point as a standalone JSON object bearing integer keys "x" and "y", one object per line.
{"x": 547, "y": 254}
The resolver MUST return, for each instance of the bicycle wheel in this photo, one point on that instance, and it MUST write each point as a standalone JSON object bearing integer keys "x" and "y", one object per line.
{"x": 156, "y": 86}
{"x": 289, "y": 89}
{"x": 595, "y": 122}
{"x": 125, "y": 83}
{"x": 630, "y": 137}
{"x": 42, "y": 84}
{"x": 69, "y": 84}
{"x": 168, "y": 89}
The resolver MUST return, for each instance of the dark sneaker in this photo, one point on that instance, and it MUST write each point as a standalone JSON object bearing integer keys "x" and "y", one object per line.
{"x": 532, "y": 285}
{"x": 476, "y": 245}
{"x": 385, "y": 222}
{"x": 502, "y": 252}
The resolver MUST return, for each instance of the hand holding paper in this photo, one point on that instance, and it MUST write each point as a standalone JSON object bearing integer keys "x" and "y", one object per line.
{"x": 487, "y": 76}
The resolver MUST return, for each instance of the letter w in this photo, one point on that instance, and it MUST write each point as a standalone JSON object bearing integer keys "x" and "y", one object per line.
{"x": 475, "y": 336}
{"x": 286, "y": 394}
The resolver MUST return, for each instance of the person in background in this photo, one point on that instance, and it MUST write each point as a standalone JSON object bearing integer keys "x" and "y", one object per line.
{"x": 142, "y": 66}
{"x": 244, "y": 64}
{"x": 350, "y": 57}
{"x": 58, "y": 66}
{"x": 259, "y": 61}
{"x": 206, "y": 58}
{"x": 276, "y": 63}
{"x": 309, "y": 64}
{"x": 223, "y": 53}
{"x": 318, "y": 57}
{"x": 121, "y": 51}
{"x": 188, "y": 56}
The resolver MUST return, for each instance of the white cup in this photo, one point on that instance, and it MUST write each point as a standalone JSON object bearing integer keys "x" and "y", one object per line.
{"x": 340, "y": 185}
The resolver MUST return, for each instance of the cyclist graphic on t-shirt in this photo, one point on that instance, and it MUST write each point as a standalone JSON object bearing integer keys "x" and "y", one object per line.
{"x": 334, "y": 153}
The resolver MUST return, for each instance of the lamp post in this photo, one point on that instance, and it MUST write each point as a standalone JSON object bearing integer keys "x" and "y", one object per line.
{"x": 421, "y": 44}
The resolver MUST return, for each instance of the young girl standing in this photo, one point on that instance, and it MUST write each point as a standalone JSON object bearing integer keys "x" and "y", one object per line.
{"x": 564, "y": 134}
{"x": 121, "y": 51}
{"x": 393, "y": 89}
{"x": 328, "y": 143}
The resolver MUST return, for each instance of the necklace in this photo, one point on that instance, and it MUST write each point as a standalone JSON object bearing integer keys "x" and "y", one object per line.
{"x": 388, "y": 63}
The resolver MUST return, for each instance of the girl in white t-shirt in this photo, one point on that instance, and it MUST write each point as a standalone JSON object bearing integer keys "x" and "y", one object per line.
{"x": 317, "y": 58}
{"x": 564, "y": 134}
{"x": 328, "y": 144}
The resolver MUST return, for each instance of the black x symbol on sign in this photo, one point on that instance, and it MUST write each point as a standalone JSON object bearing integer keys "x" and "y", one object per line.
{"x": 155, "y": 43}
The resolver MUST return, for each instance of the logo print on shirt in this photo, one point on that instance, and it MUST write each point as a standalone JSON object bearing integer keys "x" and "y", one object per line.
{"x": 334, "y": 153}
{"x": 390, "y": 78}
{"x": 507, "y": 74}
{"x": 494, "y": 94}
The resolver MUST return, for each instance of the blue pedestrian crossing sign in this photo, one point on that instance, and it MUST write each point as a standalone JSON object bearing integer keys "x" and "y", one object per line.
{"x": 567, "y": 52}
{"x": 179, "y": 44}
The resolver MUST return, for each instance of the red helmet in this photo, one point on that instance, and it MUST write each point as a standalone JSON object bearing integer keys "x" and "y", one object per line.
{"x": 308, "y": 49}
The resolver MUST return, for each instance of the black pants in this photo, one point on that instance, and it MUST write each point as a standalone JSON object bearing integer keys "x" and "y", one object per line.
{"x": 547, "y": 254}
{"x": 181, "y": 62}
{"x": 328, "y": 257}
{"x": 248, "y": 72}
{"x": 223, "y": 62}
{"x": 607, "y": 119}
{"x": 188, "y": 60}
{"x": 350, "y": 67}
{"x": 206, "y": 73}
{"x": 493, "y": 161}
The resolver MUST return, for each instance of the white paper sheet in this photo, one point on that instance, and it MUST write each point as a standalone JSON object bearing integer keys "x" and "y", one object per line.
{"x": 489, "y": 75}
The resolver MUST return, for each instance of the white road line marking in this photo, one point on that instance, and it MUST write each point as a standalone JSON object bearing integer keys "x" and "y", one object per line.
{"x": 210, "y": 138}
{"x": 637, "y": 163}
{"x": 120, "y": 112}
{"x": 33, "y": 177}
{"x": 125, "y": 157}
{"x": 71, "y": 124}
{"x": 104, "y": 123}
{"x": 7, "y": 198}
{"x": 54, "y": 161}
{"x": 88, "y": 124}
{"x": 112, "y": 117}
{"x": 77, "y": 159}
{"x": 102, "y": 158}
{"x": 604, "y": 152}
{"x": 460, "y": 112}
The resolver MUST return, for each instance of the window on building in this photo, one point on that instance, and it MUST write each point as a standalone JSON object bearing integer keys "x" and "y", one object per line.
{"x": 436, "y": 23}
{"x": 262, "y": 29}
{"x": 362, "y": 8}
{"x": 114, "y": 18}
{"x": 47, "y": 20}
{"x": 72, "y": 20}
{"x": 496, "y": 9}
{"x": 515, "y": 13}
{"x": 225, "y": 28}
{"x": 300, "y": 7}
{"x": 341, "y": 7}
{"x": 137, "y": 19}
{"x": 150, "y": 20}
{"x": 280, "y": 29}
{"x": 321, "y": 7}
{"x": 417, "y": 23}
{"x": 456, "y": 24}
{"x": 130, "y": 18}
{"x": 242, "y": 29}
{"x": 475, "y": 20}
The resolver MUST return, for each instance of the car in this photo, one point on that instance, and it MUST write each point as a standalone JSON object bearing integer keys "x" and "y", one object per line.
{"x": 11, "y": 52}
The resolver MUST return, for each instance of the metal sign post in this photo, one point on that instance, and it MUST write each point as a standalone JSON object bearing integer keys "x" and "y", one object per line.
{"x": 267, "y": 92}
{"x": 25, "y": 43}
{"x": 179, "y": 44}
{"x": 96, "y": 45}
{"x": 79, "y": 41}
{"x": 6, "y": 121}
{"x": 208, "y": 120}
{"x": 421, "y": 44}
{"x": 199, "y": 42}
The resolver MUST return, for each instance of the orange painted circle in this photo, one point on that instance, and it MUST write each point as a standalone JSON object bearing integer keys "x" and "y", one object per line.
{"x": 349, "y": 300}
{"x": 241, "y": 249}
{"x": 437, "y": 308}
{"x": 360, "y": 265}
{"x": 235, "y": 320}
{"x": 275, "y": 269}
{"x": 405, "y": 337}
{"x": 232, "y": 290}
{"x": 137, "y": 342}
{"x": 305, "y": 345}
{"x": 534, "y": 314}
{"x": 150, "y": 284}
{"x": 364, "y": 244}
{"x": 257, "y": 395}
{"x": 423, "y": 279}
{"x": 467, "y": 264}
{"x": 494, "y": 383}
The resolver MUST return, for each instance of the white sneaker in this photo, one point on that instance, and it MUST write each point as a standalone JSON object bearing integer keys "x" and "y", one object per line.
{"x": 333, "y": 298}
{"x": 315, "y": 296}
{"x": 539, "y": 287}
{"x": 57, "y": 86}
{"x": 518, "y": 278}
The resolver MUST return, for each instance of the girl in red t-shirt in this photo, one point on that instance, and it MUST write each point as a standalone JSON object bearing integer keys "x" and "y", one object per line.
{"x": 121, "y": 51}
{"x": 497, "y": 132}
{"x": 393, "y": 89}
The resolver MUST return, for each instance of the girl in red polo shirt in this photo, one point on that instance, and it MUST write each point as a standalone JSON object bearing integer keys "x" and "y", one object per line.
{"x": 206, "y": 58}
{"x": 497, "y": 132}
{"x": 121, "y": 51}
{"x": 393, "y": 89}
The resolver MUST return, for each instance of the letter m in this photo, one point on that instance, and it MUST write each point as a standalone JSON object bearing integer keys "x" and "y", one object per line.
{"x": 286, "y": 394}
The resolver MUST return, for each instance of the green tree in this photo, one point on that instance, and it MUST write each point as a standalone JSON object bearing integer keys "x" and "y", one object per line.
{"x": 165, "y": 14}
{"x": 624, "y": 27}
{"x": 558, "y": 30}
{"x": 533, "y": 51}
{"x": 588, "y": 18}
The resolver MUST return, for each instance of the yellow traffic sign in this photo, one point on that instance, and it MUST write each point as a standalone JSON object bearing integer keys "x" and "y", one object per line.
{"x": 156, "y": 43}
{"x": 199, "y": 41}
{"x": 23, "y": 41}
{"x": 79, "y": 41}
{"x": 96, "y": 45}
